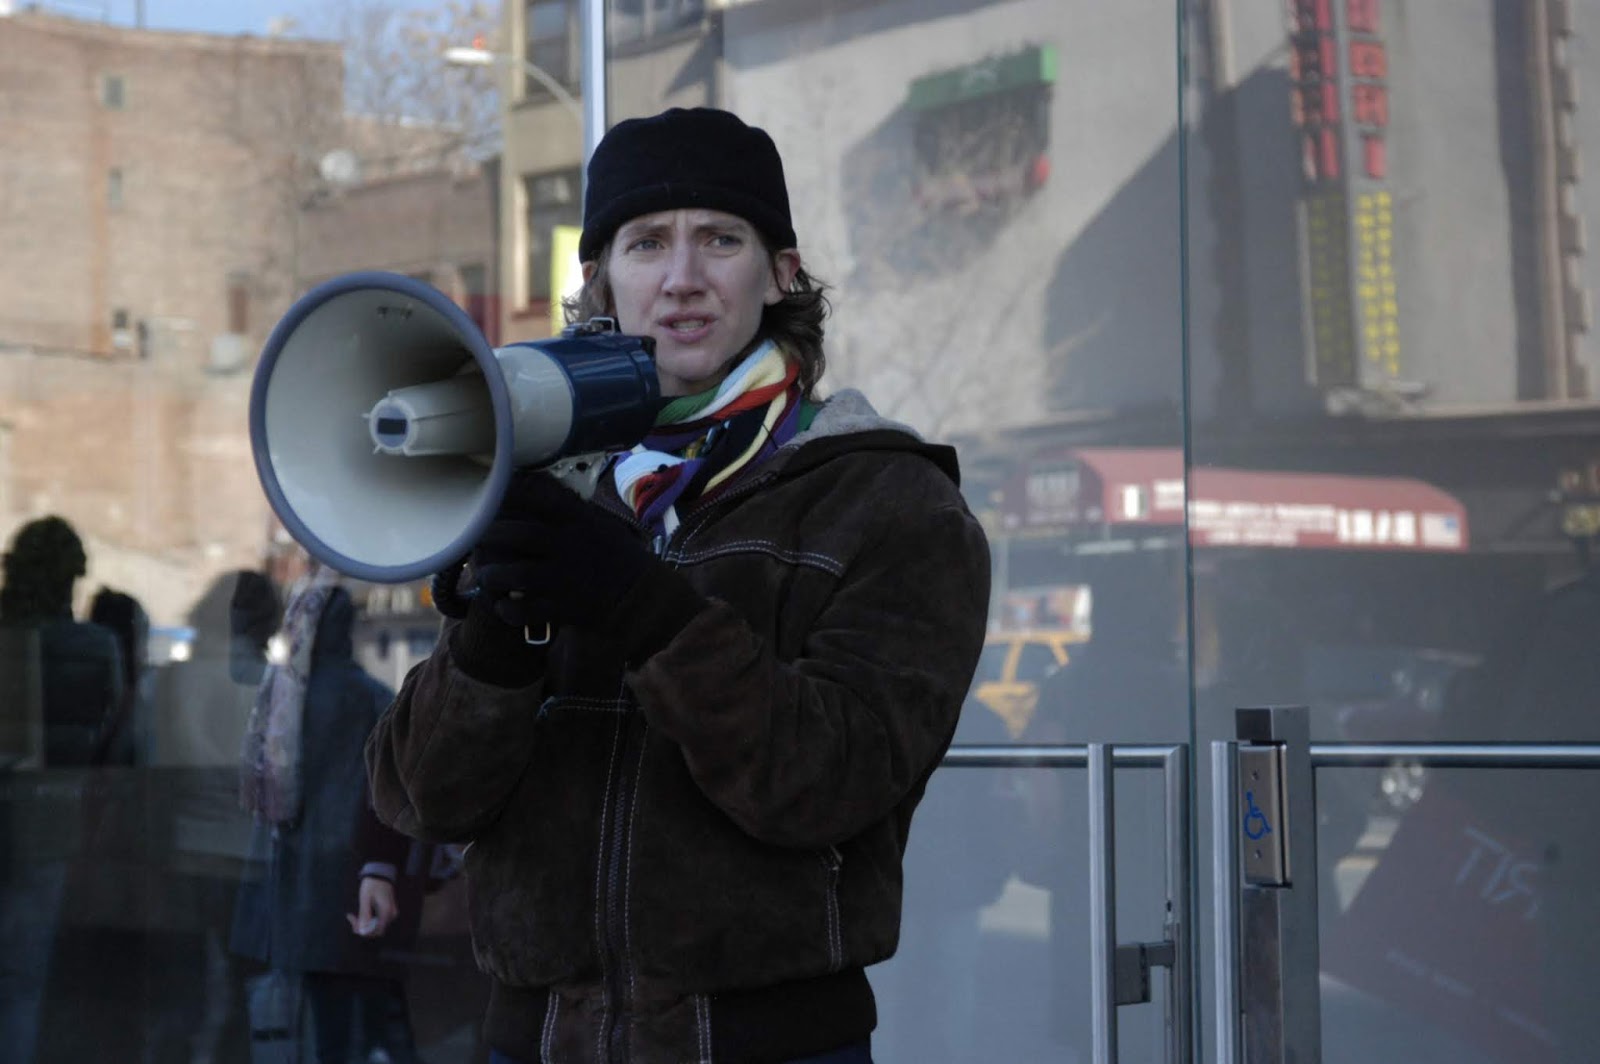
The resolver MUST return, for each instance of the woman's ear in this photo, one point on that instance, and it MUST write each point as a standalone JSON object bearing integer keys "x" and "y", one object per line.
{"x": 785, "y": 267}
{"x": 596, "y": 292}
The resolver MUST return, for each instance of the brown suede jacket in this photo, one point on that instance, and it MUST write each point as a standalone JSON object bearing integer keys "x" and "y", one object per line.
{"x": 693, "y": 857}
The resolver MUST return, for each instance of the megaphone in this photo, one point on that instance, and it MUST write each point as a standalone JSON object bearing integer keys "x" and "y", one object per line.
{"x": 385, "y": 428}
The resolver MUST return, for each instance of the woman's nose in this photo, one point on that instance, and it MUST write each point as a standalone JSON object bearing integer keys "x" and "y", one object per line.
{"x": 684, "y": 270}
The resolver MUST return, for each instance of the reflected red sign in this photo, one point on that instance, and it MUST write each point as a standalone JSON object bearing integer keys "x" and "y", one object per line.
{"x": 1445, "y": 928}
{"x": 1128, "y": 488}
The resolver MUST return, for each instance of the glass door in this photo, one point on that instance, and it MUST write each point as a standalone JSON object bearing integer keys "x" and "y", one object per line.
{"x": 1392, "y": 482}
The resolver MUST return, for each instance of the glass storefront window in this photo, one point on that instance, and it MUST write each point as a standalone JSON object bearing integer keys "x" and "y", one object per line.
{"x": 1263, "y": 333}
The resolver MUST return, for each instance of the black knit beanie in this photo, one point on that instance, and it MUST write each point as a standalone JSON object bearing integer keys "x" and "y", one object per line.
{"x": 684, "y": 158}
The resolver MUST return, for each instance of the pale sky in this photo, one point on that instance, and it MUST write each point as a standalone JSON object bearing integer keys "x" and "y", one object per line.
{"x": 207, "y": 16}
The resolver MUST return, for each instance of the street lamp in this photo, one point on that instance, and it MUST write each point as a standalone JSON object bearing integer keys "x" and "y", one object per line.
{"x": 463, "y": 55}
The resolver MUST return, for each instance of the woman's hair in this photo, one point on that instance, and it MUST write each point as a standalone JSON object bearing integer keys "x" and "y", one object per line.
{"x": 794, "y": 323}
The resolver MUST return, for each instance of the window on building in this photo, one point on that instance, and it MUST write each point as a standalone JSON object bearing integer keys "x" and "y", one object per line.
{"x": 637, "y": 20}
{"x": 238, "y": 304}
{"x": 479, "y": 300}
{"x": 553, "y": 199}
{"x": 114, "y": 187}
{"x": 112, "y": 92}
{"x": 552, "y": 44}
{"x": 121, "y": 335}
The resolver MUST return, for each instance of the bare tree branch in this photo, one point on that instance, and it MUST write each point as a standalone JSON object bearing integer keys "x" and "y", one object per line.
{"x": 415, "y": 108}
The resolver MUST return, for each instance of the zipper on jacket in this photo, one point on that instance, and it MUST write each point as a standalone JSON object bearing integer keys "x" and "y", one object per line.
{"x": 834, "y": 861}
{"x": 610, "y": 986}
{"x": 660, "y": 545}
{"x": 615, "y": 841}
{"x": 684, "y": 532}
{"x": 615, "y": 960}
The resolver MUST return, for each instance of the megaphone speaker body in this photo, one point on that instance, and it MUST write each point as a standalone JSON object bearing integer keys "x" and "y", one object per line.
{"x": 385, "y": 428}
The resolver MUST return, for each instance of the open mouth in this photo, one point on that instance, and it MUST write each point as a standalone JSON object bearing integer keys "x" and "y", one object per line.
{"x": 688, "y": 329}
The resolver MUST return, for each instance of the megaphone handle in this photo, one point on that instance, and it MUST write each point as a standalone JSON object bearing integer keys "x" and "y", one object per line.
{"x": 446, "y": 589}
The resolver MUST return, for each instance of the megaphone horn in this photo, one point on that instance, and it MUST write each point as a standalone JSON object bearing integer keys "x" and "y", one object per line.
{"x": 385, "y": 428}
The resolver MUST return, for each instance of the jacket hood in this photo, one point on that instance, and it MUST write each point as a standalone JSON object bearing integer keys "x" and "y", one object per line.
{"x": 848, "y": 422}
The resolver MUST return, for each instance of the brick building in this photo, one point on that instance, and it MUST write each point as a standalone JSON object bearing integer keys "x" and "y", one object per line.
{"x": 148, "y": 191}
{"x": 148, "y": 185}
{"x": 163, "y": 198}
{"x": 437, "y": 224}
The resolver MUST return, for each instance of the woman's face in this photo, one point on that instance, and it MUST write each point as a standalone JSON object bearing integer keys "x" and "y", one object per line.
{"x": 696, "y": 282}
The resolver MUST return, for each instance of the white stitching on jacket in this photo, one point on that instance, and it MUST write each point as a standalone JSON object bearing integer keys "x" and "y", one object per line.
{"x": 546, "y": 1049}
{"x": 599, "y": 915}
{"x": 603, "y": 705}
{"x": 702, "y": 1015}
{"x": 825, "y": 562}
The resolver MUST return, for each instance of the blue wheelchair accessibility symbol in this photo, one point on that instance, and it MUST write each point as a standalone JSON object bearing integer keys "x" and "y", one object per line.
{"x": 1256, "y": 825}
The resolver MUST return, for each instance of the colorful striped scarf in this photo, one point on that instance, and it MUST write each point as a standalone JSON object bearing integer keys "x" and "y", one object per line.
{"x": 753, "y": 412}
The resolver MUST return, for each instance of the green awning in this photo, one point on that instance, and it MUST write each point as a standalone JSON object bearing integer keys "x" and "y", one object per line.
{"x": 1035, "y": 65}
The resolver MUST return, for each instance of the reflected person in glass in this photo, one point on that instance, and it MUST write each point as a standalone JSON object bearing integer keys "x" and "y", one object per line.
{"x": 688, "y": 807}
{"x": 60, "y": 686}
{"x": 124, "y": 738}
{"x": 301, "y": 780}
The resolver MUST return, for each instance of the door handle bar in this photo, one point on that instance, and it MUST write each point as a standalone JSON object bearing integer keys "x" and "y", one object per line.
{"x": 1225, "y": 899}
{"x": 1457, "y": 755}
{"x": 1180, "y": 917}
{"x": 974, "y": 755}
{"x": 1102, "y": 906}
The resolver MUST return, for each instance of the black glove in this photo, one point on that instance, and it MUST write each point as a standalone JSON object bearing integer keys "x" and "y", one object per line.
{"x": 483, "y": 646}
{"x": 486, "y": 648}
{"x": 549, "y": 558}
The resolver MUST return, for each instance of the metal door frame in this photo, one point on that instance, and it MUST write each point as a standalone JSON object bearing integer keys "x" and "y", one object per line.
{"x": 1115, "y": 963}
{"x": 1110, "y": 960}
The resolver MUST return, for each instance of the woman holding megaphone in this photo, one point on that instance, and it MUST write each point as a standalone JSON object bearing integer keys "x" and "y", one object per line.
{"x": 687, "y": 805}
